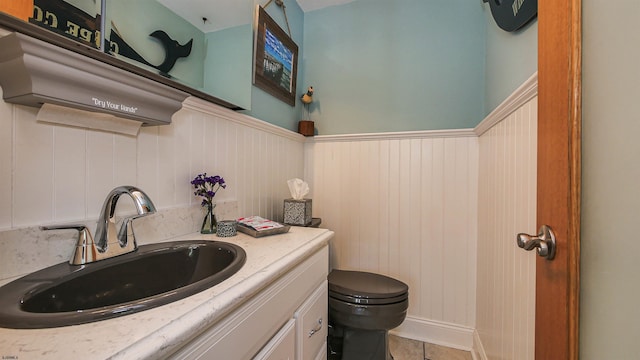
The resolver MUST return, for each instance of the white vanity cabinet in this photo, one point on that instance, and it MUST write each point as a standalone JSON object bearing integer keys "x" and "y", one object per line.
{"x": 282, "y": 346}
{"x": 311, "y": 325}
{"x": 286, "y": 320}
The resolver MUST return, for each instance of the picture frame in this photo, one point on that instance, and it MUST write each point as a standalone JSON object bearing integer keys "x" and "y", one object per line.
{"x": 275, "y": 59}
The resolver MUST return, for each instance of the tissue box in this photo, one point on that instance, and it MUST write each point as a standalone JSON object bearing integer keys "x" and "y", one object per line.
{"x": 297, "y": 212}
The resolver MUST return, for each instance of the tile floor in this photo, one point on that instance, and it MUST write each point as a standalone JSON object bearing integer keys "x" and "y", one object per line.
{"x": 407, "y": 349}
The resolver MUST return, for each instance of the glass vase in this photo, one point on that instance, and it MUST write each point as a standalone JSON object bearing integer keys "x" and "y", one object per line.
{"x": 209, "y": 224}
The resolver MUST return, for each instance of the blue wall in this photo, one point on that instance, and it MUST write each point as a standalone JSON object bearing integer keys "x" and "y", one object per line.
{"x": 228, "y": 64}
{"x": 136, "y": 19}
{"x": 379, "y": 65}
{"x": 376, "y": 65}
{"x": 512, "y": 57}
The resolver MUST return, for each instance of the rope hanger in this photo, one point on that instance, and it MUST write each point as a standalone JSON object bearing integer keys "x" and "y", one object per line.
{"x": 280, "y": 3}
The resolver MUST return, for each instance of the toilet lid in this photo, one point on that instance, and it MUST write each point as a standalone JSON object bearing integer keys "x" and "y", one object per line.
{"x": 359, "y": 287}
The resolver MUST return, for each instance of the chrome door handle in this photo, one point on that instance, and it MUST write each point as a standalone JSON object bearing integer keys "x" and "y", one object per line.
{"x": 317, "y": 328}
{"x": 544, "y": 242}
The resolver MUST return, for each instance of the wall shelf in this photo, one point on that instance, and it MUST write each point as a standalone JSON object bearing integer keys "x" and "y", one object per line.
{"x": 33, "y": 72}
{"x": 38, "y": 66}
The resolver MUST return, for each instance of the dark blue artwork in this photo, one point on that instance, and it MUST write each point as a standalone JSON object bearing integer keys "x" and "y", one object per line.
{"x": 278, "y": 61}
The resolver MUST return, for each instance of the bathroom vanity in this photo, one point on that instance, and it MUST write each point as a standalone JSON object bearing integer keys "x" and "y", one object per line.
{"x": 274, "y": 307}
{"x": 292, "y": 307}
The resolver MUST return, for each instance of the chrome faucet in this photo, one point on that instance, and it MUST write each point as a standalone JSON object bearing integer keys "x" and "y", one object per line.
{"x": 109, "y": 242}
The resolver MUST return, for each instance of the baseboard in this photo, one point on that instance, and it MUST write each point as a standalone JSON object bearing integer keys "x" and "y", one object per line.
{"x": 436, "y": 332}
{"x": 478, "y": 352}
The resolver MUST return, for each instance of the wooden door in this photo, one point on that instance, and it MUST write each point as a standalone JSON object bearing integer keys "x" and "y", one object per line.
{"x": 558, "y": 199}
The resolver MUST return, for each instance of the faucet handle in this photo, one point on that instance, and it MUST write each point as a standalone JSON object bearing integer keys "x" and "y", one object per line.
{"x": 85, "y": 251}
{"x": 126, "y": 237}
{"x": 78, "y": 227}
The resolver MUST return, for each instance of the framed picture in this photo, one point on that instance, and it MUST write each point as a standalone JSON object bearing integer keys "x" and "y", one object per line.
{"x": 275, "y": 59}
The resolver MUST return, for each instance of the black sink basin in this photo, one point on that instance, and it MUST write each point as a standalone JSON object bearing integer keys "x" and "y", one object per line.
{"x": 154, "y": 275}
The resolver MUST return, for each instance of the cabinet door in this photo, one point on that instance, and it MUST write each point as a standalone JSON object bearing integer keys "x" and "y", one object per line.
{"x": 242, "y": 333}
{"x": 322, "y": 355}
{"x": 282, "y": 346}
{"x": 311, "y": 325}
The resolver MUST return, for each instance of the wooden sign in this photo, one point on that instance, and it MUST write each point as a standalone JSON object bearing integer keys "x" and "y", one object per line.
{"x": 65, "y": 19}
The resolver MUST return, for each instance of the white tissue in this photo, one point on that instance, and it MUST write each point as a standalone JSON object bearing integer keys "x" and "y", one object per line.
{"x": 298, "y": 188}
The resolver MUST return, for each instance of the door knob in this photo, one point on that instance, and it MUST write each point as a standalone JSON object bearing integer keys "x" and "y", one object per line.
{"x": 544, "y": 242}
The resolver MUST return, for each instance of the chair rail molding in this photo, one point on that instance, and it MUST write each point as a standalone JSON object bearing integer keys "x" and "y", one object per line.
{"x": 206, "y": 107}
{"x": 527, "y": 91}
{"x": 400, "y": 135}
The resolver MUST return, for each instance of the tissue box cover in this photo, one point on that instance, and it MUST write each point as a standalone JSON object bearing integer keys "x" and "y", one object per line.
{"x": 297, "y": 212}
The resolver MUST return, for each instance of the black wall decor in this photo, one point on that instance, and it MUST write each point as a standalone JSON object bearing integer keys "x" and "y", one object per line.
{"x": 511, "y": 15}
{"x": 173, "y": 50}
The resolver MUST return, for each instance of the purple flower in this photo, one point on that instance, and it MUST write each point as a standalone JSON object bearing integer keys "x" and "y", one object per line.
{"x": 207, "y": 187}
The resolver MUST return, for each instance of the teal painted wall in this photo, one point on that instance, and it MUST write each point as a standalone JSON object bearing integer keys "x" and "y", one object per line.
{"x": 380, "y": 66}
{"x": 264, "y": 106}
{"x": 376, "y": 65}
{"x": 512, "y": 57}
{"x": 135, "y": 20}
{"x": 220, "y": 62}
{"x": 228, "y": 64}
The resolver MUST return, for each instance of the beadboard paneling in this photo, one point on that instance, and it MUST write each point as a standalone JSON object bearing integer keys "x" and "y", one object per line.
{"x": 6, "y": 162}
{"x": 507, "y": 206}
{"x": 404, "y": 206}
{"x": 51, "y": 174}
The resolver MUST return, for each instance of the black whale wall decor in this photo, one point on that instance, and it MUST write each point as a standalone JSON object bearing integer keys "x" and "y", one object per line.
{"x": 173, "y": 50}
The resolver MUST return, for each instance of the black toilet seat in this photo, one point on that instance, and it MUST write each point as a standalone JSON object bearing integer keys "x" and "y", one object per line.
{"x": 365, "y": 288}
{"x": 368, "y": 301}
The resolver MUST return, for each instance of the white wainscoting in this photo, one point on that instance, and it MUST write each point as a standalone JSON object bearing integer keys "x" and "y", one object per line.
{"x": 440, "y": 210}
{"x": 405, "y": 205}
{"x": 505, "y": 325}
{"x": 52, "y": 174}
{"x": 436, "y": 209}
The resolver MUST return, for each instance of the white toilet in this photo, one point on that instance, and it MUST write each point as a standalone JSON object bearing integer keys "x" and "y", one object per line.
{"x": 363, "y": 307}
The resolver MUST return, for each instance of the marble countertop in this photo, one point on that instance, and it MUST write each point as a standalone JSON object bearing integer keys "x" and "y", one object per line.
{"x": 160, "y": 331}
